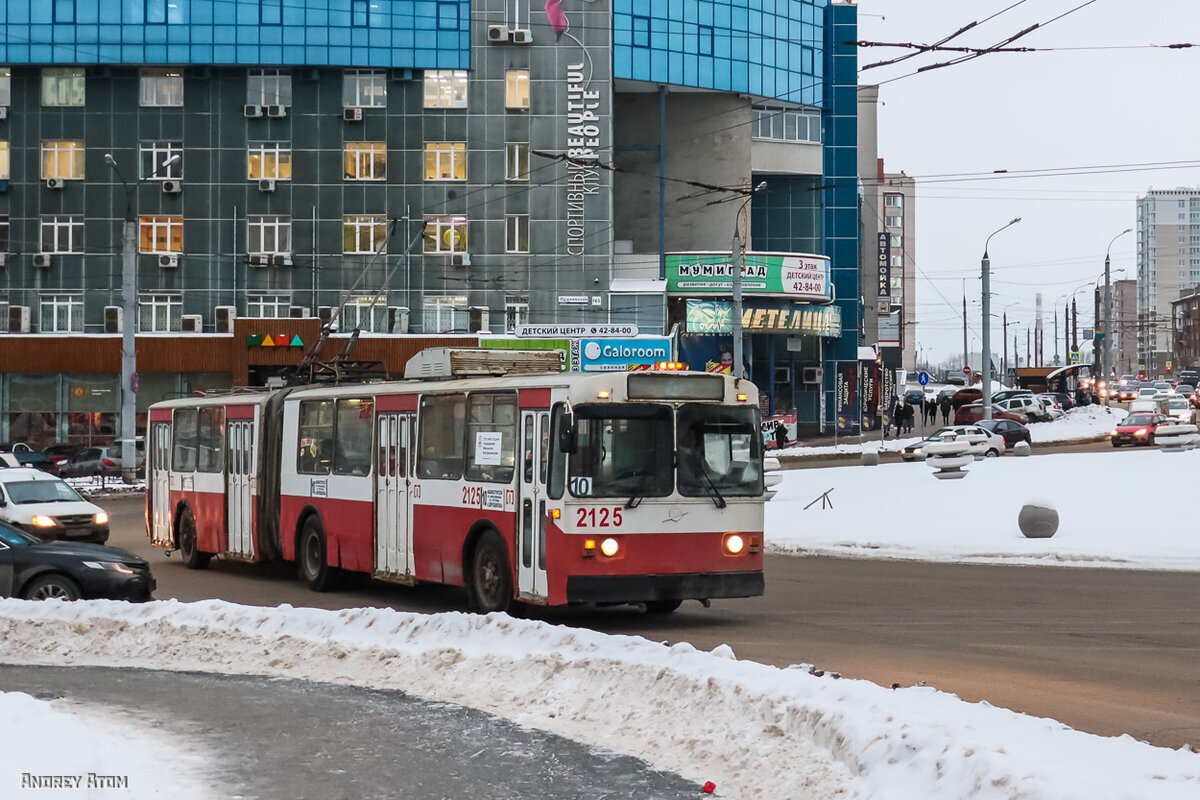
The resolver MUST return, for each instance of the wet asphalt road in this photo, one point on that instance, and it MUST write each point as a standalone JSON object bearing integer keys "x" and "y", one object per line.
{"x": 295, "y": 740}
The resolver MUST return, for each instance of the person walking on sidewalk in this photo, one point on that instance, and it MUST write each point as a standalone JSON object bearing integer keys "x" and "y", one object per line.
{"x": 945, "y": 405}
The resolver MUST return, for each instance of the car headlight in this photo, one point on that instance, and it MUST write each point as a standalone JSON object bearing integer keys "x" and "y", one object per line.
{"x": 43, "y": 521}
{"x": 112, "y": 566}
{"x": 1140, "y": 432}
{"x": 102, "y": 518}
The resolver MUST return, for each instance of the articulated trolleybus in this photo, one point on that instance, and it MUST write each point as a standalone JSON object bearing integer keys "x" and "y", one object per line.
{"x": 481, "y": 469}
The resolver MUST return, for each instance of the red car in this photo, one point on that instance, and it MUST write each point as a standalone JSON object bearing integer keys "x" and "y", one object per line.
{"x": 1138, "y": 428}
{"x": 973, "y": 412}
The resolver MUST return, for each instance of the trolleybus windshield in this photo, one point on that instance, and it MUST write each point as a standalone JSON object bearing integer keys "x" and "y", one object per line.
{"x": 622, "y": 450}
{"x": 720, "y": 451}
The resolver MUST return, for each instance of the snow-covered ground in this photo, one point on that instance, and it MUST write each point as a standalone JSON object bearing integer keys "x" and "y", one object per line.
{"x": 756, "y": 731}
{"x": 1078, "y": 424}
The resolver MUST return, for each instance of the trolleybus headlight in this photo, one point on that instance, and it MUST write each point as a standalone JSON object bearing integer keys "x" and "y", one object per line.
{"x": 734, "y": 544}
{"x": 609, "y": 547}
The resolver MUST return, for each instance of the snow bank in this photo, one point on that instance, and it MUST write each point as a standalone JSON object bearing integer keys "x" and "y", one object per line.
{"x": 90, "y": 752}
{"x": 756, "y": 731}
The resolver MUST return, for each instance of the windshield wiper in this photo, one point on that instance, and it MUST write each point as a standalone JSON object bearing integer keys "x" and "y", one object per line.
{"x": 718, "y": 501}
{"x": 634, "y": 501}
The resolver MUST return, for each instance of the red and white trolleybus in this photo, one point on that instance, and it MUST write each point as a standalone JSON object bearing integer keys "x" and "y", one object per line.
{"x": 543, "y": 487}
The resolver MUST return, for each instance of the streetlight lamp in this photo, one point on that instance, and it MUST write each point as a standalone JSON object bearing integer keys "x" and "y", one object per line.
{"x": 738, "y": 257}
{"x": 1106, "y": 360}
{"x": 129, "y": 379}
{"x": 986, "y": 267}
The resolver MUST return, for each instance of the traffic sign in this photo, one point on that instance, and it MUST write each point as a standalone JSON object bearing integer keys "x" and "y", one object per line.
{"x": 1075, "y": 357}
{"x": 966, "y": 370}
{"x": 923, "y": 377}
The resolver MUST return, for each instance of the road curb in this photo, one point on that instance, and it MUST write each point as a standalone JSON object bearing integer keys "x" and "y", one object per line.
{"x": 800, "y": 459}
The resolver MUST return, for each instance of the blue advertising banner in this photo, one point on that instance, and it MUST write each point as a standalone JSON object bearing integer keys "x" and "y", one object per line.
{"x": 618, "y": 355}
{"x": 847, "y": 397}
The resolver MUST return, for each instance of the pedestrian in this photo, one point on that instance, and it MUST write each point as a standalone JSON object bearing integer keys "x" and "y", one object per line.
{"x": 898, "y": 415}
{"x": 945, "y": 405}
{"x": 910, "y": 415}
{"x": 889, "y": 416}
{"x": 930, "y": 410}
{"x": 781, "y": 437}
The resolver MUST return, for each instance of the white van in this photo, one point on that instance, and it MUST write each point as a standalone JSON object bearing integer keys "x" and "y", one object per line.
{"x": 1149, "y": 405}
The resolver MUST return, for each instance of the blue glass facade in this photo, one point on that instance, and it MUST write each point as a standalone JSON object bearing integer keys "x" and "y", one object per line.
{"x": 769, "y": 48}
{"x": 419, "y": 34}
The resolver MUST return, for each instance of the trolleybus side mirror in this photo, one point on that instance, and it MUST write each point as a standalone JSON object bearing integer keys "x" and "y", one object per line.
{"x": 566, "y": 433}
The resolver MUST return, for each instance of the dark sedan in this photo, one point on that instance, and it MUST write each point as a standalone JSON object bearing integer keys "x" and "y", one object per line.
{"x": 1011, "y": 430}
{"x": 35, "y": 460}
{"x": 36, "y": 570}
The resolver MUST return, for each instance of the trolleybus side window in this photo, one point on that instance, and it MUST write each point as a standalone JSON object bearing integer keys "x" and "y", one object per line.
{"x": 491, "y": 437}
{"x": 210, "y": 439}
{"x": 352, "y": 437}
{"x": 558, "y": 459}
{"x": 183, "y": 432}
{"x": 720, "y": 451}
{"x": 443, "y": 429}
{"x": 622, "y": 451}
{"x": 315, "y": 454}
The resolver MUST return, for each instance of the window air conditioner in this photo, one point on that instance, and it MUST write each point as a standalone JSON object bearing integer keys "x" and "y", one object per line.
{"x": 252, "y": 112}
{"x": 478, "y": 319}
{"x": 497, "y": 33}
{"x": 225, "y": 315}
{"x": 113, "y": 319}
{"x": 276, "y": 111}
{"x": 266, "y": 185}
{"x": 298, "y": 312}
{"x": 258, "y": 260}
{"x": 461, "y": 260}
{"x": 172, "y": 187}
{"x": 281, "y": 260}
{"x": 168, "y": 260}
{"x": 41, "y": 259}
{"x": 810, "y": 375}
{"x": 18, "y": 319}
{"x": 55, "y": 183}
{"x": 193, "y": 323}
{"x": 352, "y": 114}
{"x": 522, "y": 36}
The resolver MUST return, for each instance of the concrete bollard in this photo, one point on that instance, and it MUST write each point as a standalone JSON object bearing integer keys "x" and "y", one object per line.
{"x": 948, "y": 458}
{"x": 1021, "y": 449}
{"x": 1176, "y": 438}
{"x": 870, "y": 458}
{"x": 1038, "y": 520}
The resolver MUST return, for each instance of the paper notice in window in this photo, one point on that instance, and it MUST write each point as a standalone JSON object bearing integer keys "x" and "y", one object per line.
{"x": 487, "y": 447}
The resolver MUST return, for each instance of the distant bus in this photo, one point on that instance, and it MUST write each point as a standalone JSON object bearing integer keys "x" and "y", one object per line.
{"x": 550, "y": 489}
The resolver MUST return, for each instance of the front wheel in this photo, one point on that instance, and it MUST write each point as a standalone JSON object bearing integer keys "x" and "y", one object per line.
{"x": 992, "y": 453}
{"x": 189, "y": 551}
{"x": 52, "y": 587}
{"x": 491, "y": 574}
{"x": 313, "y": 557}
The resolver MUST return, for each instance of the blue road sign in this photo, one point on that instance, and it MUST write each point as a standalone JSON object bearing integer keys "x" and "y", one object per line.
{"x": 923, "y": 378}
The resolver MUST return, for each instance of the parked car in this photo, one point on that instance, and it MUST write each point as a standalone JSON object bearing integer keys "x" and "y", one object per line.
{"x": 914, "y": 397}
{"x": 46, "y": 506}
{"x": 1029, "y": 405}
{"x": 973, "y": 412}
{"x": 1011, "y": 430}
{"x": 1064, "y": 400}
{"x": 37, "y": 570}
{"x": 1138, "y": 428}
{"x": 1052, "y": 406}
{"x": 1180, "y": 408}
{"x": 991, "y": 446}
{"x": 104, "y": 460}
{"x": 967, "y": 395}
{"x": 59, "y": 453}
{"x": 1007, "y": 393}
{"x": 35, "y": 460}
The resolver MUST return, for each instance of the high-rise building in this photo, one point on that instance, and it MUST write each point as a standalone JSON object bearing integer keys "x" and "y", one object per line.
{"x": 411, "y": 169}
{"x": 1125, "y": 327}
{"x": 1168, "y": 263}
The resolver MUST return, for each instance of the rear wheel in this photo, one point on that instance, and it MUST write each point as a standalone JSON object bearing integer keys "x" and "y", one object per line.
{"x": 313, "y": 557}
{"x": 52, "y": 587}
{"x": 992, "y": 453}
{"x": 491, "y": 574}
{"x": 188, "y": 549}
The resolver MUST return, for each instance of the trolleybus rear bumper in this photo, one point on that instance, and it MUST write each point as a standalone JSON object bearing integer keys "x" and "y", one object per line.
{"x": 643, "y": 588}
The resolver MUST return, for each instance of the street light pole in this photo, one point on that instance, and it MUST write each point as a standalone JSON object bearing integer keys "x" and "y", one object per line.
{"x": 986, "y": 267}
{"x": 1106, "y": 361}
{"x": 128, "y": 310}
{"x": 738, "y": 259}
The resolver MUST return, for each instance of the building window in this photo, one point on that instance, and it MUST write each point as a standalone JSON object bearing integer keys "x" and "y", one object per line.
{"x": 365, "y": 313}
{"x": 62, "y": 160}
{"x": 898, "y": 261}
{"x": 364, "y": 87}
{"x": 445, "y": 234}
{"x": 63, "y": 86}
{"x": 268, "y": 234}
{"x": 61, "y": 313}
{"x": 516, "y": 89}
{"x": 5, "y": 86}
{"x": 516, "y": 233}
{"x": 269, "y": 87}
{"x": 893, "y": 222}
{"x": 445, "y": 88}
{"x": 269, "y": 161}
{"x": 270, "y": 12}
{"x": 364, "y": 234}
{"x": 516, "y": 161}
{"x": 897, "y": 241}
{"x": 366, "y": 161}
{"x": 268, "y": 306}
{"x": 159, "y": 313}
{"x": 785, "y": 124}
{"x": 154, "y": 158}
{"x": 64, "y": 11}
{"x": 4, "y": 161}
{"x": 445, "y": 161}
{"x": 893, "y": 200}
{"x": 516, "y": 312}
{"x": 360, "y": 13}
{"x": 443, "y": 313}
{"x": 161, "y": 87}
{"x": 62, "y": 233}
{"x": 4, "y": 233}
{"x": 161, "y": 234}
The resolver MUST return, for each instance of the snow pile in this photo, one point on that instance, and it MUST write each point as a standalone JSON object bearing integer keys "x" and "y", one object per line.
{"x": 61, "y": 750}
{"x": 901, "y": 511}
{"x": 1084, "y": 422}
{"x": 756, "y": 731}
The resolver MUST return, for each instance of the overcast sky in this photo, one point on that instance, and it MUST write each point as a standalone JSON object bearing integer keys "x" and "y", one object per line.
{"x": 1031, "y": 111}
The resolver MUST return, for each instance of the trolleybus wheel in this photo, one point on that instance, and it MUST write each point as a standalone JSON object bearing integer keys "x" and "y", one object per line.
{"x": 188, "y": 549}
{"x": 491, "y": 575}
{"x": 662, "y": 606}
{"x": 312, "y": 555}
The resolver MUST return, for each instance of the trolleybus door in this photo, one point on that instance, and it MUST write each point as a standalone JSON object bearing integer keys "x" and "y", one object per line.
{"x": 160, "y": 484}
{"x": 239, "y": 503}
{"x": 531, "y": 505}
{"x": 393, "y": 538}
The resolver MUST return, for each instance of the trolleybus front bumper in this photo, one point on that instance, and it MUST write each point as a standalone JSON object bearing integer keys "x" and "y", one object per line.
{"x": 644, "y": 588}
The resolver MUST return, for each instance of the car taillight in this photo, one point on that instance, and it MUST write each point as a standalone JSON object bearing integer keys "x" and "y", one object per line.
{"x": 108, "y": 462}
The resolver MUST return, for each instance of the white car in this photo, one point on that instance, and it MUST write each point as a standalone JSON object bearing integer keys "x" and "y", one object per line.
{"x": 45, "y": 506}
{"x": 1027, "y": 404}
{"x": 1053, "y": 407}
{"x": 1181, "y": 409}
{"x": 991, "y": 446}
